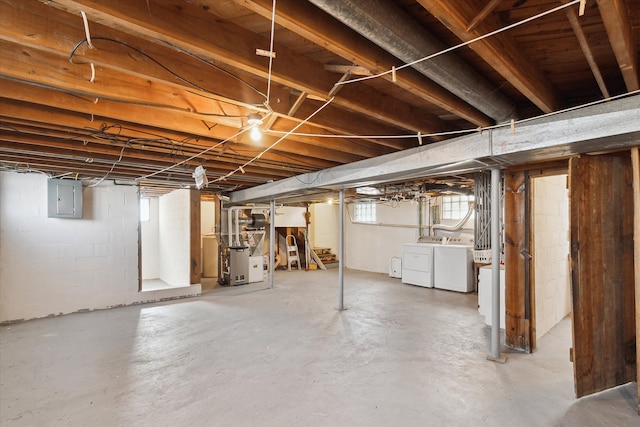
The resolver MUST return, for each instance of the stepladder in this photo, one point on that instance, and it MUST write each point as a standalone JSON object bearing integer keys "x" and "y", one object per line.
{"x": 292, "y": 252}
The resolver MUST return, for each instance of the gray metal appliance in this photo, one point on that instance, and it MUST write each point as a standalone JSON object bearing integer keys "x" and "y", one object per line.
{"x": 242, "y": 236}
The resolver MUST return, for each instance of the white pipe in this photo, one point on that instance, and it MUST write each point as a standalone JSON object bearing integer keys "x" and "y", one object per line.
{"x": 341, "y": 254}
{"x": 230, "y": 225}
{"x": 495, "y": 263}
{"x": 459, "y": 225}
{"x": 272, "y": 243}
{"x": 237, "y": 229}
{"x": 233, "y": 217}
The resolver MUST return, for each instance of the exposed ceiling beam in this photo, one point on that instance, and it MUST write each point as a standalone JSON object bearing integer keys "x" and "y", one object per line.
{"x": 52, "y": 70}
{"x": 500, "y": 51}
{"x": 388, "y": 26}
{"x": 303, "y": 19}
{"x": 168, "y": 120}
{"x": 40, "y": 27}
{"x": 608, "y": 126}
{"x": 90, "y": 148}
{"x": 586, "y": 49}
{"x": 227, "y": 43}
{"x": 486, "y": 10}
{"x": 616, "y": 21}
{"x": 16, "y": 114}
{"x": 36, "y": 25}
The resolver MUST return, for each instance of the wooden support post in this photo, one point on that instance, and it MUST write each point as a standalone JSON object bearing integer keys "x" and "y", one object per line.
{"x": 195, "y": 237}
{"x": 635, "y": 161}
{"x": 518, "y": 301}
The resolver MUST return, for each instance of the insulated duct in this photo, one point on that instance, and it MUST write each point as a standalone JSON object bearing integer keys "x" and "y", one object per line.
{"x": 392, "y": 29}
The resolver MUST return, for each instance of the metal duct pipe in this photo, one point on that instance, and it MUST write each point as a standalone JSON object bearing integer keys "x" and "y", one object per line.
{"x": 392, "y": 29}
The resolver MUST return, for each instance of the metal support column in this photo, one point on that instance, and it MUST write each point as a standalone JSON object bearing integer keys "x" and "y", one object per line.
{"x": 272, "y": 240}
{"x": 341, "y": 254}
{"x": 495, "y": 267}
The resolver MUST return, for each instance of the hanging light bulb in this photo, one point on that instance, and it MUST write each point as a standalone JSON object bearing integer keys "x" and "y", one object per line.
{"x": 254, "y": 120}
{"x": 255, "y": 134}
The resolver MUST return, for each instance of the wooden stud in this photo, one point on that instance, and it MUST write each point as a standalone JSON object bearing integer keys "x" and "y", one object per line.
{"x": 267, "y": 53}
{"x": 501, "y": 51}
{"x": 195, "y": 237}
{"x": 483, "y": 14}
{"x": 615, "y": 18}
{"x": 518, "y": 328}
{"x": 635, "y": 162}
{"x": 586, "y": 49}
{"x": 583, "y": 4}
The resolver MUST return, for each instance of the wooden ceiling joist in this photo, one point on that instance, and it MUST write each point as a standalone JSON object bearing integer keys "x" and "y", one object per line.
{"x": 227, "y": 43}
{"x": 160, "y": 119}
{"x": 586, "y": 49}
{"x": 306, "y": 20}
{"x": 171, "y": 79}
{"x": 112, "y": 59}
{"x": 90, "y": 151}
{"x": 616, "y": 21}
{"x": 500, "y": 51}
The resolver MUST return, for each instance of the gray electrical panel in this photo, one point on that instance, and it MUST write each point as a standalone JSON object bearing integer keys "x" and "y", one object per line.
{"x": 64, "y": 198}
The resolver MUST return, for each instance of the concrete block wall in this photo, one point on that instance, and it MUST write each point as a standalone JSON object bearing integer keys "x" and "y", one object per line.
{"x": 551, "y": 240}
{"x": 52, "y": 266}
{"x": 370, "y": 247}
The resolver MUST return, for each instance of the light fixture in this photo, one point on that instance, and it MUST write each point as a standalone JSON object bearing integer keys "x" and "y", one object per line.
{"x": 369, "y": 191}
{"x": 254, "y": 120}
{"x": 200, "y": 175}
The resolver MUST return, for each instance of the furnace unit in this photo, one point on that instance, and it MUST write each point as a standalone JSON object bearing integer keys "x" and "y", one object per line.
{"x": 242, "y": 241}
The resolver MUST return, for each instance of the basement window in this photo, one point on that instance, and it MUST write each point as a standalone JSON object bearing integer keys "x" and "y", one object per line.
{"x": 365, "y": 212}
{"x": 455, "y": 207}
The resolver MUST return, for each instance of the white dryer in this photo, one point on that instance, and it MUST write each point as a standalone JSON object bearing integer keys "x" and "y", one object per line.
{"x": 453, "y": 267}
{"x": 417, "y": 264}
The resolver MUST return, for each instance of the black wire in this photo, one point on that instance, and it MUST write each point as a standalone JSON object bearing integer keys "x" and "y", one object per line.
{"x": 81, "y": 42}
{"x": 230, "y": 74}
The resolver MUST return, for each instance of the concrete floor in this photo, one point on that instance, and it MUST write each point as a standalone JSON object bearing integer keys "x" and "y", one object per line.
{"x": 245, "y": 356}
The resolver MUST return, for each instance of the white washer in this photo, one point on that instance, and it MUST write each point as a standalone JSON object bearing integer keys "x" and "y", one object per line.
{"x": 453, "y": 268}
{"x": 417, "y": 264}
